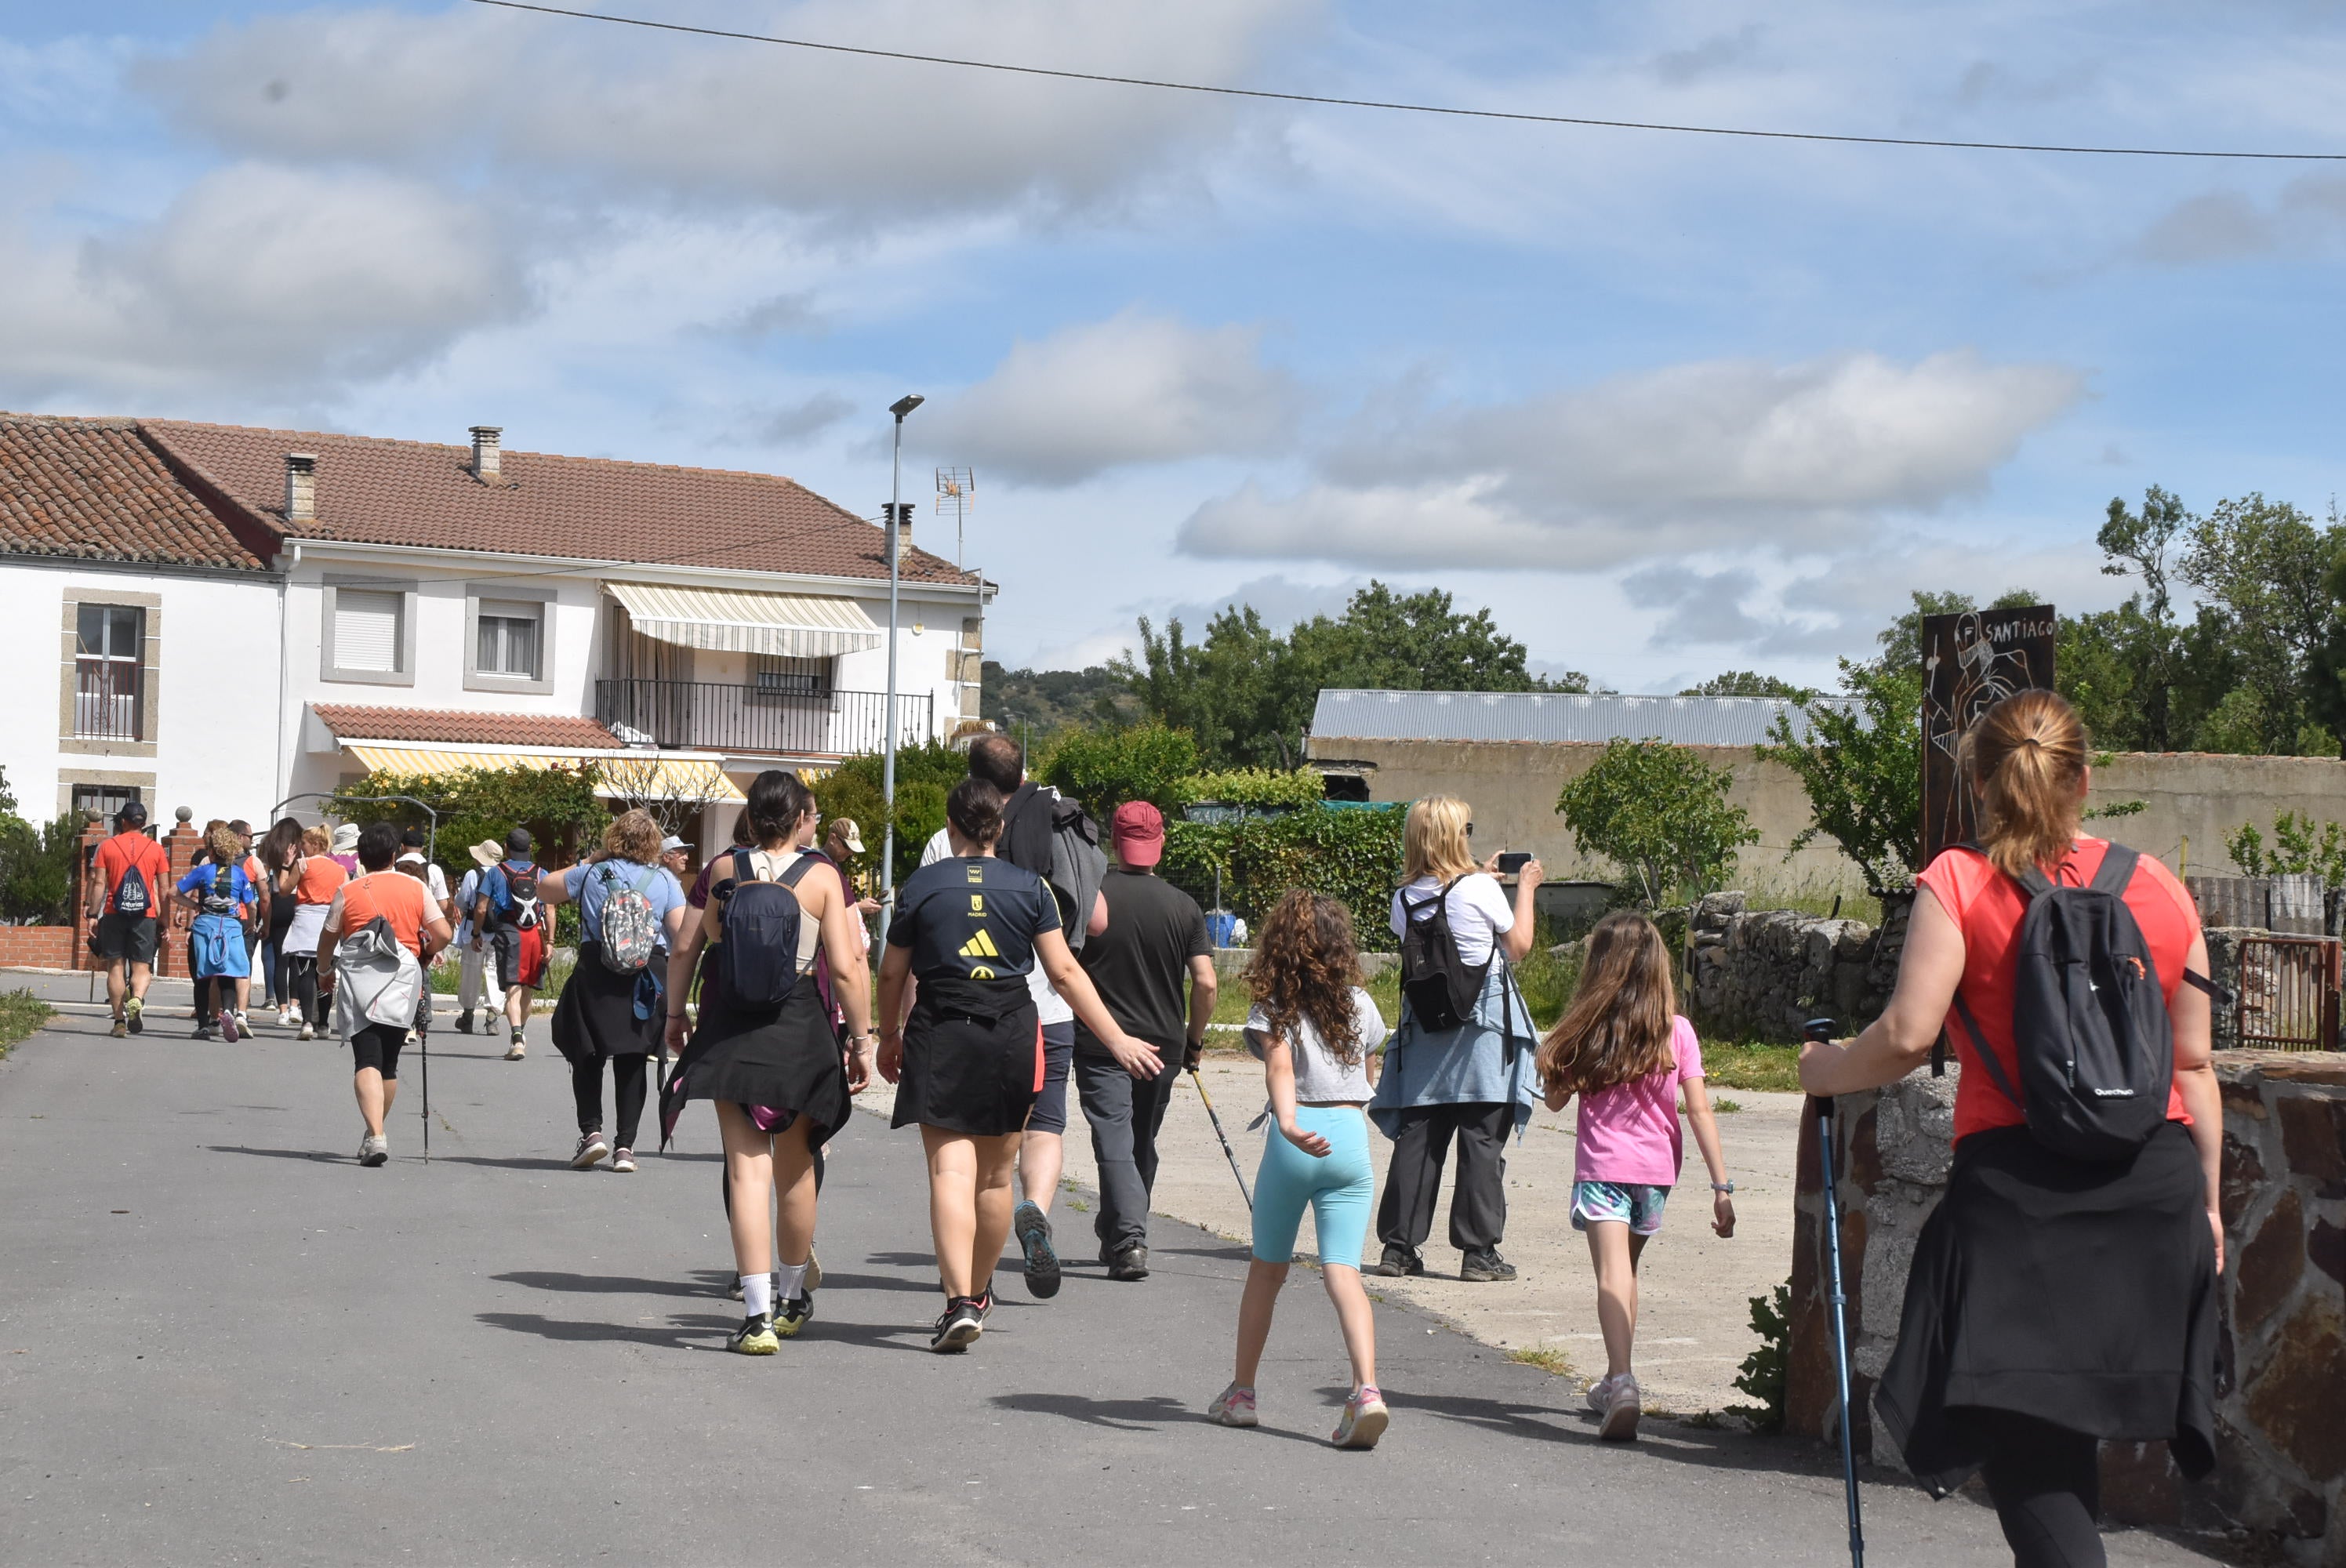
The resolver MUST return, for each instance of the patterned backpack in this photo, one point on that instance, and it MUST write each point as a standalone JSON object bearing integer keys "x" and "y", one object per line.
{"x": 630, "y": 929}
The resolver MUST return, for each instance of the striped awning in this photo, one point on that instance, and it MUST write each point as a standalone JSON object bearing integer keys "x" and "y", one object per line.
{"x": 625, "y": 774}
{"x": 787, "y": 625}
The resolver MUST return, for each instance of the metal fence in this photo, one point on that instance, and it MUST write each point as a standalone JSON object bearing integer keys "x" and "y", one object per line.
{"x": 2289, "y": 992}
{"x": 106, "y": 699}
{"x": 702, "y": 714}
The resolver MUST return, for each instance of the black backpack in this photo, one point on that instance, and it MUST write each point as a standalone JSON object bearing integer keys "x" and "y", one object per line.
{"x": 759, "y": 955}
{"x": 2089, "y": 1021}
{"x": 1440, "y": 986}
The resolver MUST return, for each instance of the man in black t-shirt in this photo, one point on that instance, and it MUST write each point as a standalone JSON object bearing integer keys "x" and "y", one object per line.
{"x": 1152, "y": 958}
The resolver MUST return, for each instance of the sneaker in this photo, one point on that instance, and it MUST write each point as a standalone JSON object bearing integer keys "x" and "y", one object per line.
{"x": 1621, "y": 1411}
{"x": 1363, "y": 1422}
{"x": 1233, "y": 1407}
{"x": 307, "y": 1032}
{"x": 374, "y": 1149}
{"x": 796, "y": 1314}
{"x": 1132, "y": 1263}
{"x": 1399, "y": 1261}
{"x": 984, "y": 1302}
{"x": 623, "y": 1161}
{"x": 1600, "y": 1395}
{"x": 202, "y": 1031}
{"x": 1033, "y": 1228}
{"x": 814, "y": 1275}
{"x": 957, "y": 1327}
{"x": 121, "y": 1029}
{"x": 285, "y": 1018}
{"x": 230, "y": 1025}
{"x": 1483, "y": 1266}
{"x": 293, "y": 1018}
{"x": 133, "y": 1014}
{"x": 591, "y": 1148}
{"x": 755, "y": 1337}
{"x": 517, "y": 1050}
{"x": 465, "y": 1022}
{"x": 244, "y": 1024}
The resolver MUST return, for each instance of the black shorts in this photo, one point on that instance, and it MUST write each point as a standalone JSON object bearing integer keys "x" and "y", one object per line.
{"x": 377, "y": 1046}
{"x": 1050, "y": 1113}
{"x": 131, "y": 938}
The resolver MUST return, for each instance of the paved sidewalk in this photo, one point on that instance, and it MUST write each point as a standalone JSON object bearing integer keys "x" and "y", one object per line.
{"x": 220, "y": 1342}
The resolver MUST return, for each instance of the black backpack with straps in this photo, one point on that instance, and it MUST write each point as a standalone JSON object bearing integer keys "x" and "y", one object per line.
{"x": 1440, "y": 986}
{"x": 2089, "y": 1023}
{"x": 760, "y": 954}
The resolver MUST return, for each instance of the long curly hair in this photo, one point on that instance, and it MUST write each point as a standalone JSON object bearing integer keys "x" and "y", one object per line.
{"x": 1618, "y": 1028}
{"x": 1305, "y": 966}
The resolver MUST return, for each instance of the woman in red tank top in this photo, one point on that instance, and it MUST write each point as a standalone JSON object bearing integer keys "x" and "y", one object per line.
{"x": 2053, "y": 1302}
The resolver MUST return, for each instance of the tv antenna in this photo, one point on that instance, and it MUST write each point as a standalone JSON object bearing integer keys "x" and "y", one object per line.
{"x": 956, "y": 493}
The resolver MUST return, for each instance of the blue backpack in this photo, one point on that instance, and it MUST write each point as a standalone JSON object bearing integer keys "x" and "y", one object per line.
{"x": 758, "y": 957}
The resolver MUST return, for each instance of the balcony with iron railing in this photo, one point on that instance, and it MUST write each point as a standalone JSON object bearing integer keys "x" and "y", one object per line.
{"x": 106, "y": 699}
{"x": 705, "y": 716}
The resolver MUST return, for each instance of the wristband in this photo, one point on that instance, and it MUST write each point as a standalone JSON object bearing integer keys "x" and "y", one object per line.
{"x": 1726, "y": 1186}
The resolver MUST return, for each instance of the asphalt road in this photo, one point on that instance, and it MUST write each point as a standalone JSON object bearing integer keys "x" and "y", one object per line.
{"x": 220, "y": 1342}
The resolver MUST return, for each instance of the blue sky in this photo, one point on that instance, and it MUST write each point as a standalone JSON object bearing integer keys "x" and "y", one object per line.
{"x": 1668, "y": 404}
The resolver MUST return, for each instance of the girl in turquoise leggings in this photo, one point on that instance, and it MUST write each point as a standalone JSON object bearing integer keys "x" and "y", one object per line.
{"x": 1317, "y": 1034}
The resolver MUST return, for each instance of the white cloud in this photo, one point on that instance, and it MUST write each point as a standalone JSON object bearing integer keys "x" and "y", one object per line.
{"x": 1718, "y": 454}
{"x": 1133, "y": 389}
{"x": 666, "y": 117}
{"x": 256, "y": 274}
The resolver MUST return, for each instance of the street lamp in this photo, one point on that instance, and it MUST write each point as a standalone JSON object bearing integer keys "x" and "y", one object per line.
{"x": 900, "y": 408}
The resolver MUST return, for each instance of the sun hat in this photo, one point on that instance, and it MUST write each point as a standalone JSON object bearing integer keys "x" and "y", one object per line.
{"x": 488, "y": 852}
{"x": 670, "y": 844}
{"x": 1138, "y": 829}
{"x": 346, "y": 838}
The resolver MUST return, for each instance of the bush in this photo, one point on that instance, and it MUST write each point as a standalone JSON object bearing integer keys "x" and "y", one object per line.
{"x": 1659, "y": 813}
{"x": 1763, "y": 1373}
{"x": 2296, "y": 849}
{"x": 1256, "y": 786}
{"x": 1352, "y": 855}
{"x": 558, "y": 805}
{"x": 1862, "y": 770}
{"x": 1105, "y": 767}
{"x": 37, "y": 870}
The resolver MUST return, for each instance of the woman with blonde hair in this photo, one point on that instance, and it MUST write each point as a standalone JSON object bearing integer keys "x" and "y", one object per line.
{"x": 597, "y": 1020}
{"x": 317, "y": 876}
{"x": 1459, "y": 1065}
{"x": 2055, "y": 1300}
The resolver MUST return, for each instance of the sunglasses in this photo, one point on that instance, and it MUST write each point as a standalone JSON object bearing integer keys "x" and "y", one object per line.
{"x": 1469, "y": 829}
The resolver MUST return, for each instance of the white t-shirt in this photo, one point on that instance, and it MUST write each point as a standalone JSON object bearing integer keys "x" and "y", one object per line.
{"x": 1318, "y": 1075}
{"x": 1479, "y": 913}
{"x": 1048, "y": 1008}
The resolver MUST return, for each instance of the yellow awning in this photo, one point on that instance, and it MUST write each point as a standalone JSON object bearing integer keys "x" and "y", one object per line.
{"x": 726, "y": 620}
{"x": 625, "y": 774}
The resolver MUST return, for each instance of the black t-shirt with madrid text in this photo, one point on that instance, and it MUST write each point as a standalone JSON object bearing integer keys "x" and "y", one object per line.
{"x": 975, "y": 917}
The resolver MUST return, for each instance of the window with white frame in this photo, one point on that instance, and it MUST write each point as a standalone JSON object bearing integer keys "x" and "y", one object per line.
{"x": 508, "y": 637}
{"x": 108, "y": 643}
{"x": 367, "y": 632}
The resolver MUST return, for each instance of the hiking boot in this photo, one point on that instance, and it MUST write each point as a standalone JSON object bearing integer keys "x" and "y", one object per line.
{"x": 623, "y": 1161}
{"x": 755, "y": 1337}
{"x": 795, "y": 1314}
{"x": 1033, "y": 1228}
{"x": 121, "y": 1029}
{"x": 1132, "y": 1263}
{"x": 1398, "y": 1262}
{"x": 1621, "y": 1411}
{"x": 960, "y": 1323}
{"x": 1483, "y": 1266}
{"x": 1233, "y": 1407}
{"x": 374, "y": 1149}
{"x": 1364, "y": 1420}
{"x": 134, "y": 1014}
{"x": 515, "y": 1052}
{"x": 465, "y": 1022}
{"x": 591, "y": 1148}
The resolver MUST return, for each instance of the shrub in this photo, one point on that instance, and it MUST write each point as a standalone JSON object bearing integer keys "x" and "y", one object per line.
{"x": 1862, "y": 770}
{"x": 1660, "y": 812}
{"x": 2297, "y": 848}
{"x": 1763, "y": 1373}
{"x": 1105, "y": 767}
{"x": 1352, "y": 855}
{"x": 1256, "y": 786}
{"x": 36, "y": 869}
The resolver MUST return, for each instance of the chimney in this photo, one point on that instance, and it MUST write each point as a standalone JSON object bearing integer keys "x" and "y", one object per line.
{"x": 300, "y": 487}
{"x": 904, "y": 529}
{"x": 485, "y": 451}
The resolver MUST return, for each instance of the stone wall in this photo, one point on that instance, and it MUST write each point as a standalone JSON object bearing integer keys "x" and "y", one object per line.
{"x": 2281, "y": 1477}
{"x": 1760, "y": 974}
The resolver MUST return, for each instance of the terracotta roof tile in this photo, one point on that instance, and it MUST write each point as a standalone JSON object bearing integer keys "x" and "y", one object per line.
{"x": 95, "y": 490}
{"x": 451, "y": 727}
{"x": 383, "y": 492}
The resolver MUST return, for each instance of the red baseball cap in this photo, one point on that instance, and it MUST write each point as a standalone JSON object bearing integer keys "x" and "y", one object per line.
{"x": 1139, "y": 833}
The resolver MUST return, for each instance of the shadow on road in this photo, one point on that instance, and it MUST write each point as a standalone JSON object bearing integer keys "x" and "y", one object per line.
{"x": 602, "y": 1283}
{"x": 1146, "y": 1415}
{"x": 1718, "y": 1448}
{"x": 682, "y": 1334}
{"x": 547, "y": 1164}
{"x": 274, "y": 1154}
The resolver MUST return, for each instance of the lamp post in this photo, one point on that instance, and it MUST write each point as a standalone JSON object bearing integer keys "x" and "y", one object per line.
{"x": 900, "y": 408}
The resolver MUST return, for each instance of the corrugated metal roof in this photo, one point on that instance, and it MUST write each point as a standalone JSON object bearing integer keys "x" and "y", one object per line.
{"x": 1553, "y": 717}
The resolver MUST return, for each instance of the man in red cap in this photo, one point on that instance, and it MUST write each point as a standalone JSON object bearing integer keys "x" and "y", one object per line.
{"x": 1154, "y": 948}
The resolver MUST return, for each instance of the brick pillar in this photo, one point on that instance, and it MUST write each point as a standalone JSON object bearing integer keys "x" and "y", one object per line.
{"x": 92, "y": 834}
{"x": 181, "y": 844}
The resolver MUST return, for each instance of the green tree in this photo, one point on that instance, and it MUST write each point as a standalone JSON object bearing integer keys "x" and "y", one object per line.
{"x": 1105, "y": 767}
{"x": 1861, "y": 769}
{"x": 2300, "y": 845}
{"x": 1661, "y": 813}
{"x": 925, "y": 774}
{"x": 1750, "y": 683}
{"x": 559, "y": 806}
{"x": 2266, "y": 571}
{"x": 36, "y": 868}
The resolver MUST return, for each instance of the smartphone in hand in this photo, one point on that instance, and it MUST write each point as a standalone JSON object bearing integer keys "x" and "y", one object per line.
{"x": 1514, "y": 861}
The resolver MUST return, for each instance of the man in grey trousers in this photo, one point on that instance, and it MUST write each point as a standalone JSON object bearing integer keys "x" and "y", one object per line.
{"x": 1154, "y": 948}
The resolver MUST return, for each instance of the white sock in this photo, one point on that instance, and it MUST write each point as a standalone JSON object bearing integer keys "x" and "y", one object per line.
{"x": 789, "y": 1279}
{"x": 757, "y": 1295}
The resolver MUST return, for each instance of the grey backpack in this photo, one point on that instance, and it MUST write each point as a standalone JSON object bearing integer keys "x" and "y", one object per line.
{"x": 631, "y": 931}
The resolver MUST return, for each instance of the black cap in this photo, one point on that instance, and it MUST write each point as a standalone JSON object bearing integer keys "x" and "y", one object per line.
{"x": 132, "y": 815}
{"x": 413, "y": 839}
{"x": 520, "y": 842}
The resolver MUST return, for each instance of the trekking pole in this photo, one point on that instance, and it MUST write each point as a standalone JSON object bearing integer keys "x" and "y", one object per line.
{"x": 1822, "y": 1029}
{"x": 1227, "y": 1152}
{"x": 424, "y": 1040}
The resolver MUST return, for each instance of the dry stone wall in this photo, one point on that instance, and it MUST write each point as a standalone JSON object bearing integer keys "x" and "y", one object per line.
{"x": 1760, "y": 974}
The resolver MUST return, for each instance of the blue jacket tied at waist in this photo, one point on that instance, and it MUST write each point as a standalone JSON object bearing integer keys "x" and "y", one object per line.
{"x": 1475, "y": 1064}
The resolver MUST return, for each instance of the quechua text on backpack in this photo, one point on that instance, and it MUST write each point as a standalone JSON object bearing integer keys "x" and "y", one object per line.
{"x": 2090, "y": 1029}
{"x": 1440, "y": 986}
{"x": 630, "y": 929}
{"x": 758, "y": 957}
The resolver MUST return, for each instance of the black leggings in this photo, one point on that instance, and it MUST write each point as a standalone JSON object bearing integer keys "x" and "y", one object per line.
{"x": 301, "y": 969}
{"x": 2046, "y": 1484}
{"x": 628, "y": 1072}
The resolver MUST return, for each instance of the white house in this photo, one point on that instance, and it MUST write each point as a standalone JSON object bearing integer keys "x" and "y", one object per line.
{"x": 407, "y": 607}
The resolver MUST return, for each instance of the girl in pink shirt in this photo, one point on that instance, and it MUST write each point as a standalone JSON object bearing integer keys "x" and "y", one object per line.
{"x": 1624, "y": 1050}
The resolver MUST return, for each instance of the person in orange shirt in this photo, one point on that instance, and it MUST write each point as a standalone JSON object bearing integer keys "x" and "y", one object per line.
{"x": 126, "y": 899}
{"x": 317, "y": 877}
{"x": 421, "y": 929}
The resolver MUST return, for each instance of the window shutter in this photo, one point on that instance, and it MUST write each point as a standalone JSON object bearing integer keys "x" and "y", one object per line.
{"x": 366, "y": 629}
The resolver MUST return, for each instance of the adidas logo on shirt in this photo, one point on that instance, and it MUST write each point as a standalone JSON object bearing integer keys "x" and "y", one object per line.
{"x": 980, "y": 946}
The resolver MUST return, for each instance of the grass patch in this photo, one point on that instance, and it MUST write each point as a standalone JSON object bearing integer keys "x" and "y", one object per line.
{"x": 21, "y": 1013}
{"x": 1725, "y": 1107}
{"x": 1546, "y": 1358}
{"x": 1767, "y": 1068}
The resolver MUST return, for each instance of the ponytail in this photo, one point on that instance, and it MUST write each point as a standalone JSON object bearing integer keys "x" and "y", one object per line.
{"x": 2027, "y": 757}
